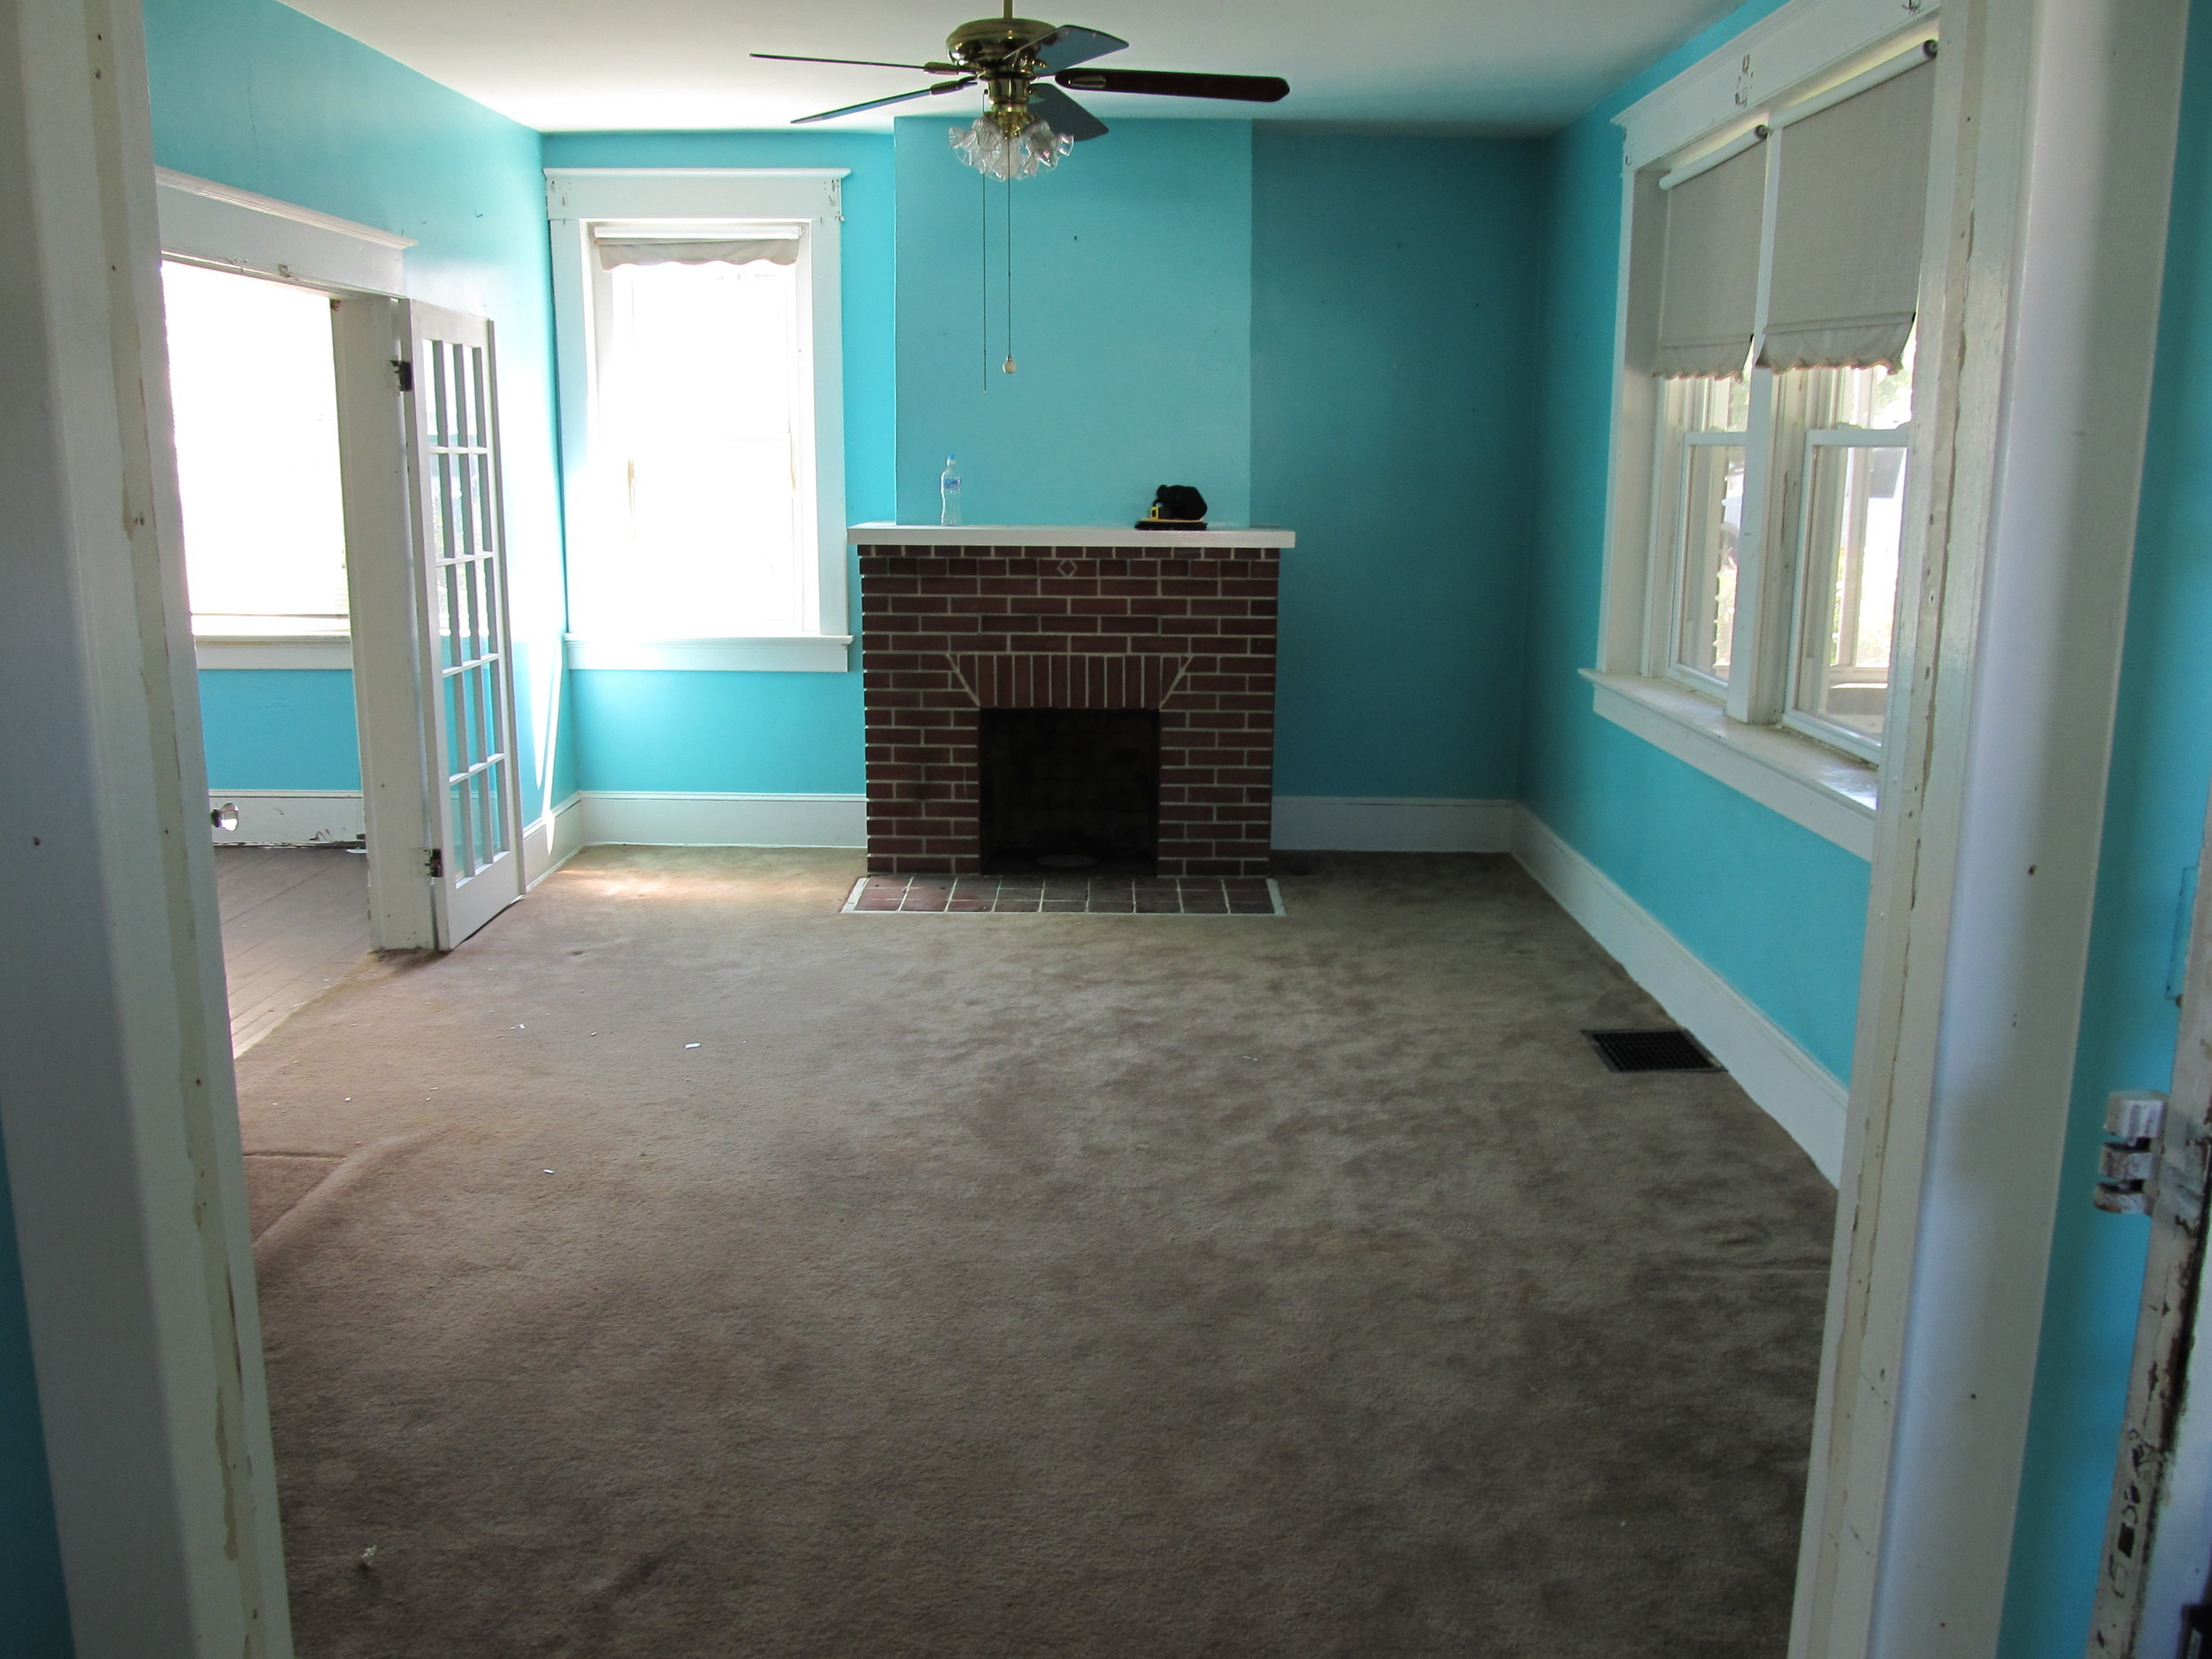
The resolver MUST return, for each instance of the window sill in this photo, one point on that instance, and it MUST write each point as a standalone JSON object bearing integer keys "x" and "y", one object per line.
{"x": 274, "y": 650}
{"x": 1830, "y": 793}
{"x": 797, "y": 653}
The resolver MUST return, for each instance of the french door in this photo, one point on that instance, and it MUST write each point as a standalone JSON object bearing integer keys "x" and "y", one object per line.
{"x": 466, "y": 671}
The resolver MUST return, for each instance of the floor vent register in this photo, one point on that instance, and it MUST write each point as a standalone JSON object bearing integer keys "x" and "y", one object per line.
{"x": 1672, "y": 1049}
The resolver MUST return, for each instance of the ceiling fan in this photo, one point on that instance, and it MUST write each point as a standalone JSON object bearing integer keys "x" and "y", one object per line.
{"x": 1025, "y": 125}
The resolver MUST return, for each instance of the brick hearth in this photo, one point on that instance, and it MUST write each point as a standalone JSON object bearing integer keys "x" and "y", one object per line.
{"x": 1189, "y": 631}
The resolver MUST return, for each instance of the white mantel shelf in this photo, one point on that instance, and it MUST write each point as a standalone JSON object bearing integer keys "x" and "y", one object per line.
{"x": 1056, "y": 535}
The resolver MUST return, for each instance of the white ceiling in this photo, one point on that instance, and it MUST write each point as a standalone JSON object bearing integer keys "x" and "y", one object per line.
{"x": 1480, "y": 66}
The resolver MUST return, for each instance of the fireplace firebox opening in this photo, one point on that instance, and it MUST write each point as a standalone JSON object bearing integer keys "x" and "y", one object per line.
{"x": 1062, "y": 786}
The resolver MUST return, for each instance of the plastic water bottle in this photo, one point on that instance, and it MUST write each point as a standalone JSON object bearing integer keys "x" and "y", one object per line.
{"x": 948, "y": 492}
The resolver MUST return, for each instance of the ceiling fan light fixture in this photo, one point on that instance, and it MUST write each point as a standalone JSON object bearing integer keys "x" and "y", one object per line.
{"x": 993, "y": 151}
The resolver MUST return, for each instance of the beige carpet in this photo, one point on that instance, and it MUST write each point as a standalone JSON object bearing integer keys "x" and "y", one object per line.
{"x": 1128, "y": 1288}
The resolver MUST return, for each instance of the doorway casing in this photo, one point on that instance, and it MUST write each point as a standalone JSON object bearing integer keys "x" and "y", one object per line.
{"x": 131, "y": 1208}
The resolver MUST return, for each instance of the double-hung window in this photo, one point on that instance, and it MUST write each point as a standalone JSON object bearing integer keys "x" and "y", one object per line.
{"x": 1773, "y": 272}
{"x": 254, "y": 394}
{"x": 697, "y": 313}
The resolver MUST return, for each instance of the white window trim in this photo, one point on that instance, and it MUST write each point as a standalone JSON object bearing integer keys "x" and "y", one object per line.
{"x": 791, "y": 653}
{"x": 577, "y": 199}
{"x": 203, "y": 222}
{"x": 206, "y": 223}
{"x": 1830, "y": 793}
{"x": 1775, "y": 71}
{"x": 274, "y": 650}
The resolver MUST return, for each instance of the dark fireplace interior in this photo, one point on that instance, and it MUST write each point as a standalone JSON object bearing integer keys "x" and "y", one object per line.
{"x": 1064, "y": 787}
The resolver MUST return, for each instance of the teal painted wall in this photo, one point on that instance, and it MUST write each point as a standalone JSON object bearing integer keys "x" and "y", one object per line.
{"x": 681, "y": 731}
{"x": 1391, "y": 429}
{"x": 2154, "y": 816}
{"x": 279, "y": 728}
{"x": 768, "y": 734}
{"x": 1255, "y": 359}
{"x": 1778, "y": 911}
{"x": 256, "y": 94}
{"x": 1133, "y": 319}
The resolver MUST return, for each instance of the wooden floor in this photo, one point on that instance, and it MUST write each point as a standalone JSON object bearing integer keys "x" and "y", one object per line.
{"x": 294, "y": 918}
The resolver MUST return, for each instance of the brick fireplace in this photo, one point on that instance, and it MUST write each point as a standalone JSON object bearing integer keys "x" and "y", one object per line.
{"x": 958, "y": 620}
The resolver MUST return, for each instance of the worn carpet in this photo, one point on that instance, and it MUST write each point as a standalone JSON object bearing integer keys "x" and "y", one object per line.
{"x": 684, "y": 1267}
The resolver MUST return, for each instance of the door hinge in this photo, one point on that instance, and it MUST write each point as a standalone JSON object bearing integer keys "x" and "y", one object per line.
{"x": 433, "y": 863}
{"x": 403, "y": 371}
{"x": 2154, "y": 1160}
{"x": 2127, "y": 1165}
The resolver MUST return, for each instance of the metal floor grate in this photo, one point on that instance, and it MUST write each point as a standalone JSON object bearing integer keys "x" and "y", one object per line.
{"x": 1672, "y": 1049}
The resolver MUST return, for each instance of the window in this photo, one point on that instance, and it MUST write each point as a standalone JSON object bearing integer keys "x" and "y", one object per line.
{"x": 1774, "y": 272}
{"x": 697, "y": 313}
{"x": 1711, "y": 416}
{"x": 1849, "y": 548}
{"x": 701, "y": 408}
{"x": 254, "y": 388}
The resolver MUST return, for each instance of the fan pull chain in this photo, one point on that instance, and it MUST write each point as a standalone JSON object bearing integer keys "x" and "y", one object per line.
{"x": 1009, "y": 365}
{"x": 983, "y": 279}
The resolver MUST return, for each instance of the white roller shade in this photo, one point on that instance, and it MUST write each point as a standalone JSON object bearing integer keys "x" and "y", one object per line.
{"x": 1847, "y": 223}
{"x": 753, "y": 250}
{"x": 1710, "y": 293}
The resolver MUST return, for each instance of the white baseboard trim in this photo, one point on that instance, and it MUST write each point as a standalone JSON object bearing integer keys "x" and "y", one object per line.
{"x": 551, "y": 841}
{"x": 642, "y": 819}
{"x": 288, "y": 817}
{"x": 1789, "y": 1084}
{"x": 1303, "y": 823}
{"x": 1350, "y": 824}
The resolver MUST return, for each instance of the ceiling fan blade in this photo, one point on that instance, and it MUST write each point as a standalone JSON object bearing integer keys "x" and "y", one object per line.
{"x": 1168, "y": 83}
{"x": 1063, "y": 114}
{"x": 872, "y": 63}
{"x": 876, "y": 103}
{"x": 1071, "y": 44}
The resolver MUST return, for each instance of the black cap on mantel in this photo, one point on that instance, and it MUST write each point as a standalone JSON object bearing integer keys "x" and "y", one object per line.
{"x": 1175, "y": 507}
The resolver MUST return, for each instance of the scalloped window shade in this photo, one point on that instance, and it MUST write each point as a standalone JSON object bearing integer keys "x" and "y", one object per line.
{"x": 1846, "y": 229}
{"x": 1708, "y": 295}
{"x": 755, "y": 250}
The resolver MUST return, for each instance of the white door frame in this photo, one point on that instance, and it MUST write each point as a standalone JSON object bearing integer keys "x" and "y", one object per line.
{"x": 118, "y": 1111}
{"x": 2050, "y": 233}
{"x": 361, "y": 268}
{"x": 131, "y": 1202}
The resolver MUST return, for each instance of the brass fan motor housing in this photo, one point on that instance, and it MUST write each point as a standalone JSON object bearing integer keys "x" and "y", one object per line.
{"x": 995, "y": 49}
{"x": 988, "y": 42}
